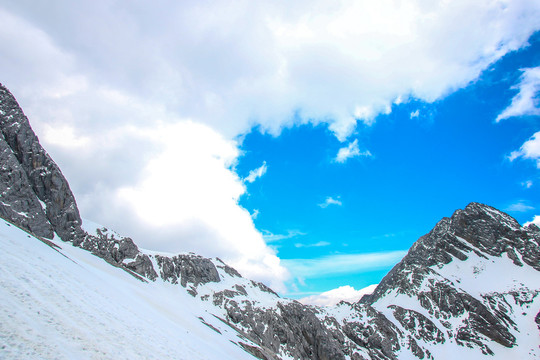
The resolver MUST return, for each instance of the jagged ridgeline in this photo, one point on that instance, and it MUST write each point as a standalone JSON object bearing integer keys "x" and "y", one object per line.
{"x": 468, "y": 289}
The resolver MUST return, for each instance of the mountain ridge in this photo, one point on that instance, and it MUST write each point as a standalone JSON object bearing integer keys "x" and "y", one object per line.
{"x": 434, "y": 299}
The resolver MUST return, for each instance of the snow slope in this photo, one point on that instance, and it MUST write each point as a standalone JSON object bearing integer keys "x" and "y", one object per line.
{"x": 66, "y": 303}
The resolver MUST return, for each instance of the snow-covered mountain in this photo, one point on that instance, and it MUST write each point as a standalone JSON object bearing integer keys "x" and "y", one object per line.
{"x": 469, "y": 288}
{"x": 61, "y": 302}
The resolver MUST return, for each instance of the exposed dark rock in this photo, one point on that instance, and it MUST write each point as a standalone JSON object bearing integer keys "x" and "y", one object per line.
{"x": 378, "y": 335}
{"x": 240, "y": 289}
{"x": 190, "y": 268}
{"x": 264, "y": 288}
{"x": 311, "y": 338}
{"x": 18, "y": 203}
{"x": 121, "y": 252}
{"x": 415, "y": 349}
{"x": 446, "y": 302}
{"x": 478, "y": 228}
{"x": 43, "y": 175}
{"x": 229, "y": 270}
{"x": 418, "y": 325}
{"x": 256, "y": 351}
{"x": 210, "y": 325}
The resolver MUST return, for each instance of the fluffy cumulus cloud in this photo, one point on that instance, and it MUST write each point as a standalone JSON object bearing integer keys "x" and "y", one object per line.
{"x": 140, "y": 102}
{"x": 535, "y": 221}
{"x": 350, "y": 151}
{"x": 343, "y": 293}
{"x": 525, "y": 102}
{"x": 529, "y": 150}
{"x": 330, "y": 201}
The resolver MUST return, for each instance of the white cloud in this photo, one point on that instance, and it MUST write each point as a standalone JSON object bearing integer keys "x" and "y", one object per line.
{"x": 529, "y": 150}
{"x": 201, "y": 213}
{"x": 535, "y": 221}
{"x": 527, "y": 184}
{"x": 526, "y": 100}
{"x": 257, "y": 173}
{"x": 269, "y": 237}
{"x": 118, "y": 81}
{"x": 255, "y": 213}
{"x": 519, "y": 206}
{"x": 350, "y": 151}
{"x": 415, "y": 114}
{"x": 342, "y": 293}
{"x": 317, "y": 244}
{"x": 330, "y": 201}
{"x": 341, "y": 264}
{"x": 234, "y": 66}
{"x": 64, "y": 136}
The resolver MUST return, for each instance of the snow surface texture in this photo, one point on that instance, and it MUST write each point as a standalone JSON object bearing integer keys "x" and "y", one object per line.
{"x": 65, "y": 303}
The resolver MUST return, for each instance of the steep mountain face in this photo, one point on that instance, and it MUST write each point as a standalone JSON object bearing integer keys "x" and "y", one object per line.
{"x": 443, "y": 272}
{"x": 27, "y": 169}
{"x": 468, "y": 288}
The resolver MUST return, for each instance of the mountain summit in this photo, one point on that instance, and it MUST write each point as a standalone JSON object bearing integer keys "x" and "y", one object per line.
{"x": 467, "y": 289}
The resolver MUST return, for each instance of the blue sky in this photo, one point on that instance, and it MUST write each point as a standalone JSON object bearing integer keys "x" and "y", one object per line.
{"x": 308, "y": 144}
{"x": 424, "y": 161}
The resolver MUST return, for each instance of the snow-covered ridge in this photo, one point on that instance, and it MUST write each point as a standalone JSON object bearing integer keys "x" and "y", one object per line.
{"x": 65, "y": 303}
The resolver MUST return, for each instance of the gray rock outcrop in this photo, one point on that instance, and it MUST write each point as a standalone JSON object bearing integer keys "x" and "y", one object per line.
{"x": 34, "y": 167}
{"x": 18, "y": 202}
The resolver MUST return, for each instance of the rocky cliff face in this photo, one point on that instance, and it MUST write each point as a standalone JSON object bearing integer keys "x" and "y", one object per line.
{"x": 30, "y": 168}
{"x": 468, "y": 288}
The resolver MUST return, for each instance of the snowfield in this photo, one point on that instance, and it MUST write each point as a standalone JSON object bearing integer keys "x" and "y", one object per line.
{"x": 66, "y": 303}
{"x": 62, "y": 302}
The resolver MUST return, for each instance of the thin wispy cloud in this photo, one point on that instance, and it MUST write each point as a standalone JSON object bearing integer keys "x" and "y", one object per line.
{"x": 519, "y": 206}
{"x": 270, "y": 237}
{"x": 350, "y": 151}
{"x": 526, "y": 101}
{"x": 342, "y": 264}
{"x": 383, "y": 236}
{"x": 330, "y": 201}
{"x": 317, "y": 244}
{"x": 256, "y": 173}
{"x": 527, "y": 184}
{"x": 415, "y": 114}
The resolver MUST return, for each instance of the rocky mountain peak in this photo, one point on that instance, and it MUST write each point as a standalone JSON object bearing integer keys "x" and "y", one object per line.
{"x": 33, "y": 185}
{"x": 478, "y": 229}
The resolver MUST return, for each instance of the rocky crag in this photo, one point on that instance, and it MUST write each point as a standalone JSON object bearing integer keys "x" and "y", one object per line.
{"x": 468, "y": 288}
